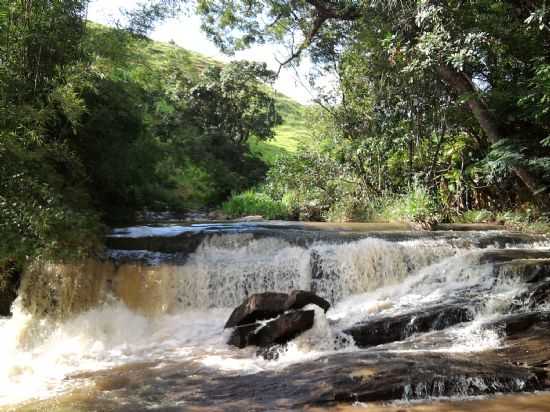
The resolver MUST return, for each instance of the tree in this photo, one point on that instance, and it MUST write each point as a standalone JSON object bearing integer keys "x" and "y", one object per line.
{"x": 478, "y": 49}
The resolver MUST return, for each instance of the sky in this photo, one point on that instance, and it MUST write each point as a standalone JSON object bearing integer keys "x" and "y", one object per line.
{"x": 185, "y": 31}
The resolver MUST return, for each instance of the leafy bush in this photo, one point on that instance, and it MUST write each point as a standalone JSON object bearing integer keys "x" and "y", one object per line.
{"x": 255, "y": 203}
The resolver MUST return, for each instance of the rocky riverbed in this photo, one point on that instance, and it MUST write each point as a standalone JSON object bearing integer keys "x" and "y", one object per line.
{"x": 407, "y": 320}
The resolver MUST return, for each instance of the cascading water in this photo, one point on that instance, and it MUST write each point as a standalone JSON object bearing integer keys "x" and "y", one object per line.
{"x": 99, "y": 316}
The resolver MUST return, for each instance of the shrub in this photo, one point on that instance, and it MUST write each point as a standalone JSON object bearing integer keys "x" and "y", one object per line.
{"x": 417, "y": 205}
{"x": 254, "y": 203}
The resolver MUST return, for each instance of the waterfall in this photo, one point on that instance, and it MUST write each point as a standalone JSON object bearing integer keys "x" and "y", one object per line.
{"x": 102, "y": 314}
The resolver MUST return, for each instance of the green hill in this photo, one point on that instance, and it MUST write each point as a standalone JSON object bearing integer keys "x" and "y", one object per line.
{"x": 143, "y": 59}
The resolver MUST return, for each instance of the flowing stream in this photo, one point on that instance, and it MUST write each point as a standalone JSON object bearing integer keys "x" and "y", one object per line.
{"x": 155, "y": 309}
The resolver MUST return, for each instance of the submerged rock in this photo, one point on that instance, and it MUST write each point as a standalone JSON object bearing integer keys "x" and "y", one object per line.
{"x": 275, "y": 332}
{"x": 386, "y": 329}
{"x": 259, "y": 306}
{"x": 432, "y": 375}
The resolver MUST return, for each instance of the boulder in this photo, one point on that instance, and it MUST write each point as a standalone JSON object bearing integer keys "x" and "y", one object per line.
{"x": 297, "y": 299}
{"x": 259, "y": 306}
{"x": 386, "y": 329}
{"x": 275, "y": 332}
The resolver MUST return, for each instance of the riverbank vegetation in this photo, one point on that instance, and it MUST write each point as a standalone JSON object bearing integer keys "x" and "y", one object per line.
{"x": 441, "y": 112}
{"x": 97, "y": 124}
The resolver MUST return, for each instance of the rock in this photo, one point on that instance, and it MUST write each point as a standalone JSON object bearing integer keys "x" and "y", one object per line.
{"x": 275, "y": 332}
{"x": 535, "y": 296}
{"x": 297, "y": 299}
{"x": 244, "y": 335}
{"x": 217, "y": 215}
{"x": 285, "y": 328}
{"x": 10, "y": 279}
{"x": 388, "y": 329}
{"x": 520, "y": 322}
{"x": 260, "y": 306}
{"x": 529, "y": 270}
{"x": 507, "y": 255}
{"x": 425, "y": 376}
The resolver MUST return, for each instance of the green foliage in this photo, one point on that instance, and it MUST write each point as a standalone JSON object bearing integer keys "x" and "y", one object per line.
{"x": 255, "y": 203}
{"x": 97, "y": 124}
{"x": 421, "y": 83}
{"x": 45, "y": 208}
{"x": 477, "y": 216}
{"x": 417, "y": 205}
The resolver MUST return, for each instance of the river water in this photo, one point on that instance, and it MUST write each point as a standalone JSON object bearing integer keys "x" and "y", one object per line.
{"x": 143, "y": 329}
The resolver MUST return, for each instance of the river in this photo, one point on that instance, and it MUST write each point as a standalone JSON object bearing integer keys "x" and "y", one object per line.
{"x": 142, "y": 328}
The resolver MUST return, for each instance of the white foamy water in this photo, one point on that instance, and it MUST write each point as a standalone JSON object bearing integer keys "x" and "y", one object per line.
{"x": 365, "y": 278}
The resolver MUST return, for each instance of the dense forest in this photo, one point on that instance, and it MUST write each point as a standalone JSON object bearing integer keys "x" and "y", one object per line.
{"x": 441, "y": 113}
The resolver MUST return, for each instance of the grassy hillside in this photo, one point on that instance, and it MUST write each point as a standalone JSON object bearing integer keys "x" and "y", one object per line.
{"x": 289, "y": 135}
{"x": 146, "y": 57}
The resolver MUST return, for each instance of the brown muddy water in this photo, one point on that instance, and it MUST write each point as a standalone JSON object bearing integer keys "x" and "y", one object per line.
{"x": 420, "y": 321}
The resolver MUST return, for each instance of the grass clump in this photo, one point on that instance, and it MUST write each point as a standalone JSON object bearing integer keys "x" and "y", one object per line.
{"x": 417, "y": 205}
{"x": 255, "y": 203}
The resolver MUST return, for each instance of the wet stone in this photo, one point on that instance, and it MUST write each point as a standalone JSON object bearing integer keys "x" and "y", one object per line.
{"x": 536, "y": 296}
{"x": 528, "y": 270}
{"x": 386, "y": 329}
{"x": 259, "y": 306}
{"x": 520, "y": 322}
{"x": 297, "y": 299}
{"x": 275, "y": 332}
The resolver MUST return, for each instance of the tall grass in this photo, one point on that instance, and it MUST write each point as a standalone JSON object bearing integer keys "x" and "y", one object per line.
{"x": 255, "y": 203}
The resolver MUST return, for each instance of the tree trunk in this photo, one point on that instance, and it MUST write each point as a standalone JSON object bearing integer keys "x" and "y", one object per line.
{"x": 463, "y": 85}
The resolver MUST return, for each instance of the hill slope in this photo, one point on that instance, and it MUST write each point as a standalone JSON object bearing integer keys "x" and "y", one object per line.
{"x": 145, "y": 56}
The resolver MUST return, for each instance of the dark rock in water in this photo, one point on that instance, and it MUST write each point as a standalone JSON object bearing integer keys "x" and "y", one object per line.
{"x": 297, "y": 299}
{"x": 285, "y": 328}
{"x": 258, "y": 307}
{"x": 425, "y": 376}
{"x": 529, "y": 270}
{"x": 244, "y": 335}
{"x": 10, "y": 279}
{"x": 276, "y": 332}
{"x": 520, "y": 322}
{"x": 534, "y": 297}
{"x": 387, "y": 329}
